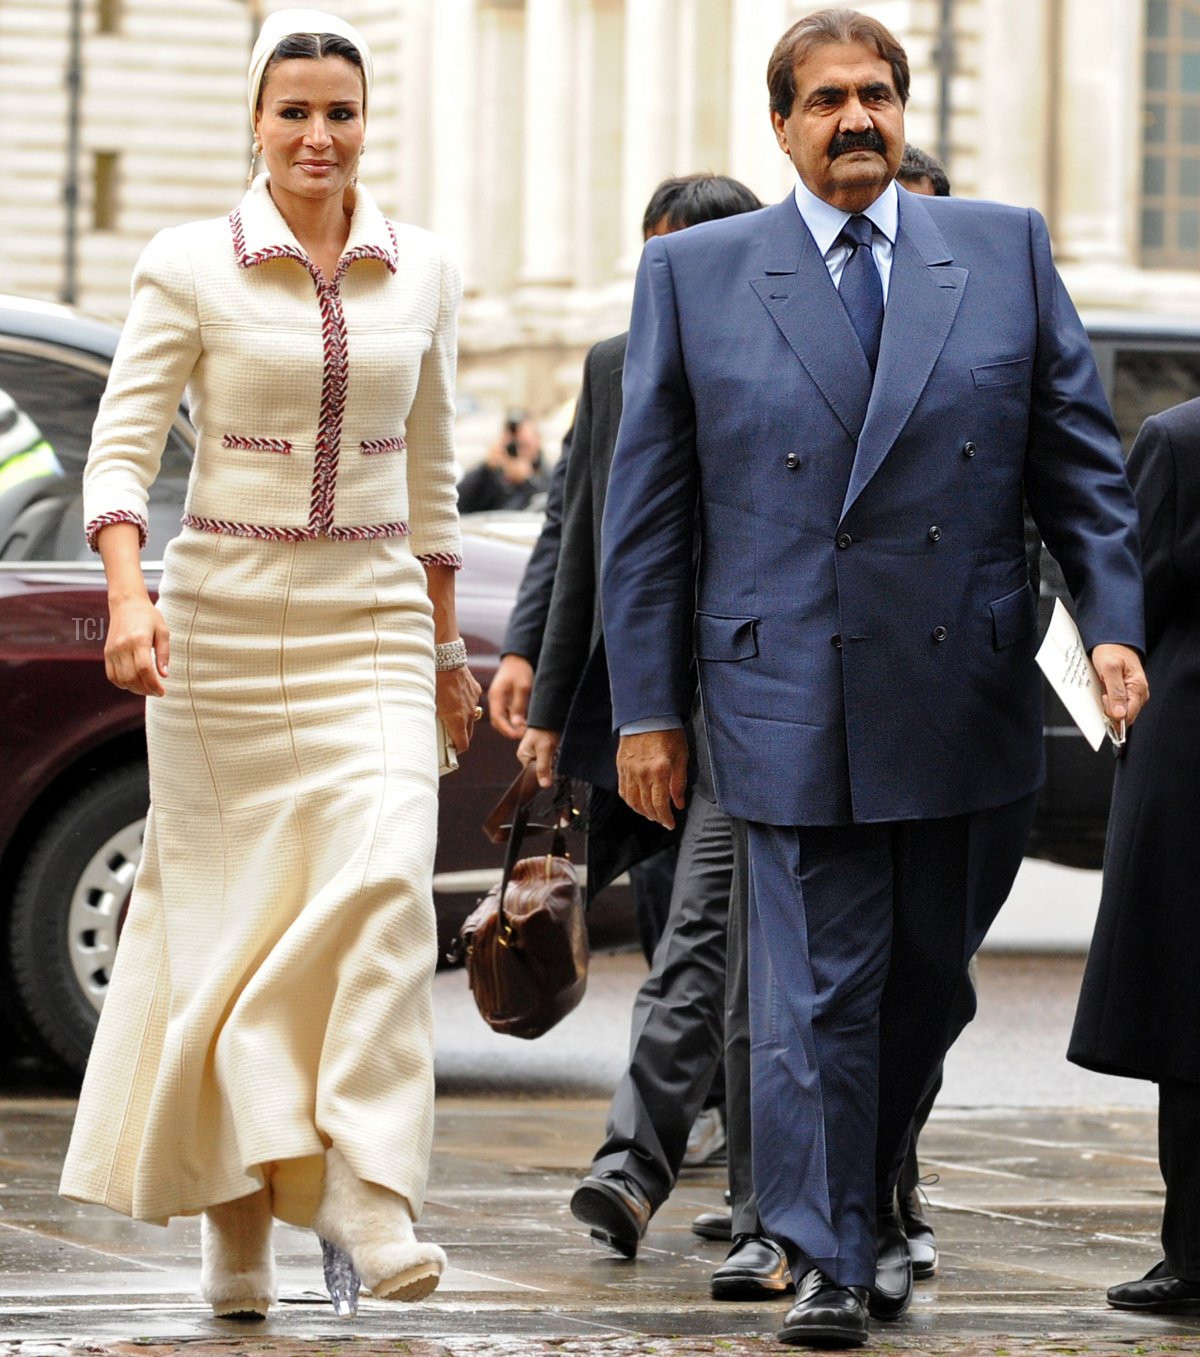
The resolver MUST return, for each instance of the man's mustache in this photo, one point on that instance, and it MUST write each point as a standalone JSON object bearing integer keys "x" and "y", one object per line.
{"x": 857, "y": 141}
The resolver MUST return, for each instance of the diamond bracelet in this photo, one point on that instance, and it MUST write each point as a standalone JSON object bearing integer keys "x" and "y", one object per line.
{"x": 450, "y": 654}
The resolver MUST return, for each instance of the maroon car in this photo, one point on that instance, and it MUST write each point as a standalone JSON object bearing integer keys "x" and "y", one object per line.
{"x": 73, "y": 795}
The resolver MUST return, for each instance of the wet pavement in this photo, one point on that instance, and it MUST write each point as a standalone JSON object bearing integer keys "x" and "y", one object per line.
{"x": 1037, "y": 1209}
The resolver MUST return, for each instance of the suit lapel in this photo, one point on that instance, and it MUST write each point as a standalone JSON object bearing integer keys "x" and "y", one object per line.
{"x": 793, "y": 276}
{"x": 923, "y": 298}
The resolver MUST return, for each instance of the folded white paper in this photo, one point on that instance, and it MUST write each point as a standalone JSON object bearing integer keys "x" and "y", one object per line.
{"x": 1064, "y": 660}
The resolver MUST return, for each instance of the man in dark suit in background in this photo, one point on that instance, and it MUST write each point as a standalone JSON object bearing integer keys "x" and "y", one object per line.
{"x": 846, "y": 396}
{"x": 677, "y": 1025}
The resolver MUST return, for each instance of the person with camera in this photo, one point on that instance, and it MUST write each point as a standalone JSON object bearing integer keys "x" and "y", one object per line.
{"x": 510, "y": 475}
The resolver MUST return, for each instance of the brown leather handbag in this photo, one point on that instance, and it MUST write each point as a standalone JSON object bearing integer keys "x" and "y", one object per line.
{"x": 525, "y": 945}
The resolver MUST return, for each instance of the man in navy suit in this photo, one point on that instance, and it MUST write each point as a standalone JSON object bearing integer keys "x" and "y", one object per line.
{"x": 846, "y": 396}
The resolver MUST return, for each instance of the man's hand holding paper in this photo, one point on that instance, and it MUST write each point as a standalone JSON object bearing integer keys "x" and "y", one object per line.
{"x": 1104, "y": 694}
{"x": 1123, "y": 681}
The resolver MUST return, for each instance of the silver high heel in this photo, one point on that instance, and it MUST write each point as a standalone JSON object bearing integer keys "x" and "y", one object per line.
{"x": 341, "y": 1279}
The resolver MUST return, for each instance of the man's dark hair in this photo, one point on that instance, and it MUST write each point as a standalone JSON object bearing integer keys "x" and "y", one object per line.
{"x": 693, "y": 198}
{"x": 830, "y": 25}
{"x": 312, "y": 45}
{"x": 918, "y": 164}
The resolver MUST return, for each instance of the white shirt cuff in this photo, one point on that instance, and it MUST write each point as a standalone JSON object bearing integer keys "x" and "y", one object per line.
{"x": 649, "y": 723}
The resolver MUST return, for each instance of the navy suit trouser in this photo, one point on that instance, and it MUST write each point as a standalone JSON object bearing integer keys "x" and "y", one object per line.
{"x": 859, "y": 940}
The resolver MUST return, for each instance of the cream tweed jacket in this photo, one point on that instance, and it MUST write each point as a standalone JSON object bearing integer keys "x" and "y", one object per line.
{"x": 323, "y": 408}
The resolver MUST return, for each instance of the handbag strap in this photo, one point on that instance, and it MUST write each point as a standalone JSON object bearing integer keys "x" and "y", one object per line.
{"x": 527, "y": 789}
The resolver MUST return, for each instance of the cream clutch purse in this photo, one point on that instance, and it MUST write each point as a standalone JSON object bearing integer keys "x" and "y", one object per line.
{"x": 447, "y": 757}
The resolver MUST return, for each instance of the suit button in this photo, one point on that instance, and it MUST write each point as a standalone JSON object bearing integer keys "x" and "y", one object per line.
{"x": 939, "y": 634}
{"x": 935, "y": 534}
{"x": 792, "y": 461}
{"x": 836, "y": 642}
{"x": 844, "y": 540}
{"x": 969, "y": 449}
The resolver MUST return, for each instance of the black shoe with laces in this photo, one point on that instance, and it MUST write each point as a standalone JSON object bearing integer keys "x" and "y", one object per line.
{"x": 892, "y": 1293}
{"x": 713, "y": 1225}
{"x": 922, "y": 1244}
{"x": 1157, "y": 1293}
{"x": 826, "y": 1315}
{"x": 616, "y": 1208}
{"x": 754, "y": 1269}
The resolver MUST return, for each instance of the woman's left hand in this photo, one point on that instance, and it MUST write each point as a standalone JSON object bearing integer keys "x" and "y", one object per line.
{"x": 458, "y": 698}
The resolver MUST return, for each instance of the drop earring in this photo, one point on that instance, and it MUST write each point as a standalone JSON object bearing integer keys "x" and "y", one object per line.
{"x": 254, "y": 154}
{"x": 354, "y": 176}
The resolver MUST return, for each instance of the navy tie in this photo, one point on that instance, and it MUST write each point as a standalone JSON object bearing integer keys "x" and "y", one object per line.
{"x": 861, "y": 286}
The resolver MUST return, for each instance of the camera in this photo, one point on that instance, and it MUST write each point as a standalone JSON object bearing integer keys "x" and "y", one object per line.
{"x": 512, "y": 422}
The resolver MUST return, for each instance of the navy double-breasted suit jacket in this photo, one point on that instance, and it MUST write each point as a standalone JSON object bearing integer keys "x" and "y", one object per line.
{"x": 863, "y": 620}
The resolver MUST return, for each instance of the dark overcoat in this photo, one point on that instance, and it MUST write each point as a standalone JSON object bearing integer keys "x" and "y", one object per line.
{"x": 1139, "y": 1010}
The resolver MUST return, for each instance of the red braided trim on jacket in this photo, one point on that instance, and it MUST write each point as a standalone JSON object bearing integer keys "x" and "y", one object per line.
{"x": 263, "y": 533}
{"x": 376, "y": 445}
{"x": 449, "y": 558}
{"x": 334, "y": 378}
{"x": 234, "y": 440}
{"x": 118, "y": 516}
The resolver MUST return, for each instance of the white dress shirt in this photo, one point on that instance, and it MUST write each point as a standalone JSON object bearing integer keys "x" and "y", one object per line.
{"x": 825, "y": 224}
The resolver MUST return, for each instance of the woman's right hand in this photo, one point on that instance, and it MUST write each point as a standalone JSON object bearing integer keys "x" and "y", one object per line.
{"x": 137, "y": 649}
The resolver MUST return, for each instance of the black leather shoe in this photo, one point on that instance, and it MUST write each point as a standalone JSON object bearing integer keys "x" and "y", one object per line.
{"x": 714, "y": 1225}
{"x": 616, "y": 1208}
{"x": 892, "y": 1293}
{"x": 1158, "y": 1293}
{"x": 826, "y": 1315}
{"x": 754, "y": 1269}
{"x": 922, "y": 1245}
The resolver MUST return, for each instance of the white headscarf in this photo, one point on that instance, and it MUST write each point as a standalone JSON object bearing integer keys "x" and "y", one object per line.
{"x": 283, "y": 24}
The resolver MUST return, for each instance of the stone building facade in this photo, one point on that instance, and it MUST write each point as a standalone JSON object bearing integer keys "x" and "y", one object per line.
{"x": 531, "y": 132}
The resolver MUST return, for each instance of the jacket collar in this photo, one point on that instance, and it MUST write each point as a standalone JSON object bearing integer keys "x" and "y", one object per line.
{"x": 260, "y": 232}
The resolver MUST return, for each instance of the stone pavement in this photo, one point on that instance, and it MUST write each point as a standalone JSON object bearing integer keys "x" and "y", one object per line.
{"x": 1036, "y": 1212}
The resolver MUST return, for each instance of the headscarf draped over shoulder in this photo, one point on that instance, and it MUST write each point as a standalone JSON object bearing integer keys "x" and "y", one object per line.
{"x": 286, "y": 22}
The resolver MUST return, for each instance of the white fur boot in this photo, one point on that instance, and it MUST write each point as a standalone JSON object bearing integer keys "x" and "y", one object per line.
{"x": 374, "y": 1226}
{"x": 237, "y": 1262}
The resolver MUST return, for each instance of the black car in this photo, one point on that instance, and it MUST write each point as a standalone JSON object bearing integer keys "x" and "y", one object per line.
{"x": 72, "y": 752}
{"x": 73, "y": 790}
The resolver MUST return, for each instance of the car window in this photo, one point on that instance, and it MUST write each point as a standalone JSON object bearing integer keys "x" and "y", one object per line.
{"x": 1148, "y": 381}
{"x": 47, "y": 408}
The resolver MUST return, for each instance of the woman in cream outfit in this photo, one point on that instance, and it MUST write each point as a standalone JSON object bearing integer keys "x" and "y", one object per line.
{"x": 266, "y": 1045}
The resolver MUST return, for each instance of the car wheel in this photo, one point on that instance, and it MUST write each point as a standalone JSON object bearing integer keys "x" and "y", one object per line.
{"x": 69, "y": 907}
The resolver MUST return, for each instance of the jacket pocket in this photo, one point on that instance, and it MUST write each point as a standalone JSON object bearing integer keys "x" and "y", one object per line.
{"x": 725, "y": 638}
{"x": 1002, "y": 374}
{"x": 1013, "y": 617}
{"x": 246, "y": 444}
{"x": 372, "y": 446}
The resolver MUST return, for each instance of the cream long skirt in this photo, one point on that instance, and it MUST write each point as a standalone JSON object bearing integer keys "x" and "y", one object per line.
{"x": 272, "y": 993}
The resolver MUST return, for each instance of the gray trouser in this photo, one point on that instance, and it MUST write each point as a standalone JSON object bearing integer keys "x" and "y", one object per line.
{"x": 676, "y": 1039}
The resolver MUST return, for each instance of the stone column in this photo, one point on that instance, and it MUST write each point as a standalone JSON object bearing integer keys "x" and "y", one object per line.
{"x": 754, "y": 156}
{"x": 1016, "y": 129}
{"x": 650, "y": 112}
{"x": 547, "y": 180}
{"x": 452, "y": 170}
{"x": 703, "y": 66}
{"x": 1097, "y": 130}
